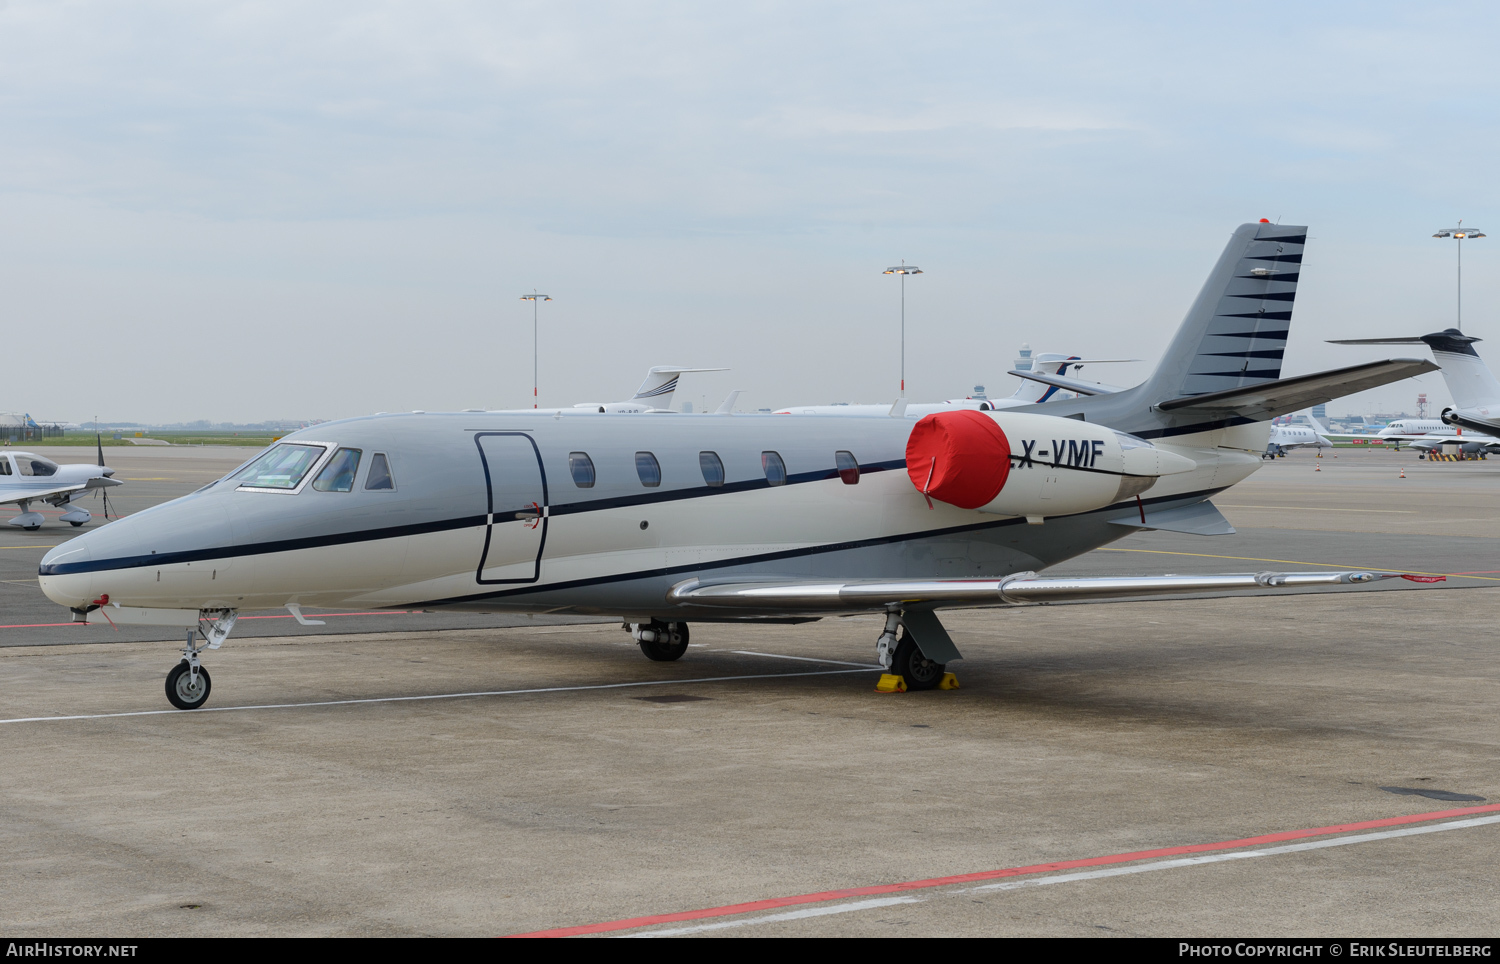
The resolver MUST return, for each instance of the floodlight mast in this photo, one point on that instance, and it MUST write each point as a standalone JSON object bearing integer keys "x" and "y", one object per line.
{"x": 1460, "y": 234}
{"x": 903, "y": 269}
{"x": 534, "y": 298}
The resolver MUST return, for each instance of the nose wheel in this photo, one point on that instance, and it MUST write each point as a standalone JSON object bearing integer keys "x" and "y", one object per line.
{"x": 188, "y": 686}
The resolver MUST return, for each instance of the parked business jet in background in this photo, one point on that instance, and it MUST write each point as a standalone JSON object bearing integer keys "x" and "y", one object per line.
{"x": 661, "y": 520}
{"x": 654, "y": 396}
{"x": 1032, "y": 391}
{"x": 1475, "y": 390}
{"x": 26, "y": 478}
{"x": 1284, "y": 438}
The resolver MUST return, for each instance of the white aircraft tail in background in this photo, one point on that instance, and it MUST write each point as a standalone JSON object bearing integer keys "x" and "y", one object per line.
{"x": 654, "y": 395}
{"x": 1475, "y": 390}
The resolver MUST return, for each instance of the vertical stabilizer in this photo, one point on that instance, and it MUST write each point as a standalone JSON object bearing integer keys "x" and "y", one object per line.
{"x": 1032, "y": 392}
{"x": 661, "y": 382}
{"x": 1470, "y": 381}
{"x": 1235, "y": 333}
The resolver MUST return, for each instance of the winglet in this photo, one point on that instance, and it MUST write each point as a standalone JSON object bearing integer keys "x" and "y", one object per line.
{"x": 727, "y": 406}
{"x": 898, "y": 408}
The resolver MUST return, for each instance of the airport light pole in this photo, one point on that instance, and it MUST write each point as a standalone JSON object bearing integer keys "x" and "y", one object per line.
{"x": 1460, "y": 234}
{"x": 903, "y": 269}
{"x": 534, "y": 298}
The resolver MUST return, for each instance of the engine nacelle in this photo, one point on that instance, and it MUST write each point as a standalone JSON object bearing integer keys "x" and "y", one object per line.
{"x": 1022, "y": 464}
{"x": 1447, "y": 416}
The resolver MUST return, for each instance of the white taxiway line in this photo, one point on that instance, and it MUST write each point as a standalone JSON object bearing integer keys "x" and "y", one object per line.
{"x": 788, "y": 915}
{"x": 808, "y": 659}
{"x": 435, "y": 696}
{"x": 1233, "y": 855}
{"x": 1144, "y": 868}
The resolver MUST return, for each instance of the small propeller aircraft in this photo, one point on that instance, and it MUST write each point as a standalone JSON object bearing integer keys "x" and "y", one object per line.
{"x": 26, "y": 477}
{"x": 660, "y": 520}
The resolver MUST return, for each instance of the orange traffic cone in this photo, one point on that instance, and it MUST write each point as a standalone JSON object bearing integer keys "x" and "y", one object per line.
{"x": 1403, "y": 471}
{"x": 1318, "y": 468}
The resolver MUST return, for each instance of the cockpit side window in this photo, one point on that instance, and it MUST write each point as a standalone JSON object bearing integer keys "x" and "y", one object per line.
{"x": 4, "y": 465}
{"x": 380, "y": 473}
{"x": 338, "y": 474}
{"x": 282, "y": 467}
{"x": 35, "y": 465}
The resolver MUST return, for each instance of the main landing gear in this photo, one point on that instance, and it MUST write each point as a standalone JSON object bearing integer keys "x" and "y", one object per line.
{"x": 188, "y": 683}
{"x": 901, "y": 656}
{"x": 662, "y": 642}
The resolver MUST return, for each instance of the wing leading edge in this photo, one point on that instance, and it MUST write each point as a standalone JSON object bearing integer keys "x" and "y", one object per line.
{"x": 1015, "y": 590}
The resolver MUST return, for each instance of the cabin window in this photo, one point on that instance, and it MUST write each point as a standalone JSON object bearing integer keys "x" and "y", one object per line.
{"x": 775, "y": 468}
{"x": 582, "y": 469}
{"x": 4, "y": 465}
{"x": 35, "y": 465}
{"x": 283, "y": 467}
{"x": 648, "y": 469}
{"x": 380, "y": 473}
{"x": 848, "y": 467}
{"x": 338, "y": 474}
{"x": 713, "y": 468}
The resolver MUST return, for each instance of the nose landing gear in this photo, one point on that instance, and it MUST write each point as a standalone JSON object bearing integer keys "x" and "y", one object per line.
{"x": 188, "y": 683}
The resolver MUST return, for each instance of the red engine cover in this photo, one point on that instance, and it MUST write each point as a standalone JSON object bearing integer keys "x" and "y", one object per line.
{"x": 959, "y": 457}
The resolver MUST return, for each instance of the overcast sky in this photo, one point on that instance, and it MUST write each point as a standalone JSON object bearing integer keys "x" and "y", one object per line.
{"x": 263, "y": 210}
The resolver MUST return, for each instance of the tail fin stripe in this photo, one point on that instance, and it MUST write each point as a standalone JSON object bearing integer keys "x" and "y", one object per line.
{"x": 1271, "y": 295}
{"x": 1288, "y": 258}
{"x": 1277, "y": 335}
{"x": 1271, "y": 373}
{"x": 1268, "y": 353}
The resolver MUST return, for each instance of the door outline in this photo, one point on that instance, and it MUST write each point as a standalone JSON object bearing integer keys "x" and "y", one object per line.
{"x": 489, "y": 528}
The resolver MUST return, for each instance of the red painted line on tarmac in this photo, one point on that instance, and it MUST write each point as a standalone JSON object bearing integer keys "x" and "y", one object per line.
{"x": 387, "y": 612}
{"x": 390, "y": 612}
{"x": 831, "y": 895}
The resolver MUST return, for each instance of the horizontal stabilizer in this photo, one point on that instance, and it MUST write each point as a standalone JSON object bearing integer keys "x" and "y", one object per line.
{"x": 1375, "y": 341}
{"x": 1076, "y": 385}
{"x": 1200, "y": 519}
{"x": 1283, "y": 395}
{"x": 855, "y": 596}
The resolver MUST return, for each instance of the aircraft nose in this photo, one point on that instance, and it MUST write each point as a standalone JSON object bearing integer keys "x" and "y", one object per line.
{"x": 60, "y": 578}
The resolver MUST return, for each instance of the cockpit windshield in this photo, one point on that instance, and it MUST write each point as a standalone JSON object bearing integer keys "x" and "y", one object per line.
{"x": 283, "y": 467}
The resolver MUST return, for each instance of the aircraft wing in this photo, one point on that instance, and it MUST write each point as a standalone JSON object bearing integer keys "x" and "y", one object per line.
{"x": 37, "y": 495}
{"x": 1068, "y": 384}
{"x": 1019, "y": 589}
{"x": 1286, "y": 395}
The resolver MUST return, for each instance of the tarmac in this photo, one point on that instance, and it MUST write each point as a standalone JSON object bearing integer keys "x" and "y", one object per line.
{"x": 1312, "y": 765}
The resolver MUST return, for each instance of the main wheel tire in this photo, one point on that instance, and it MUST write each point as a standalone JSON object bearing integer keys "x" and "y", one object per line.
{"x": 181, "y": 692}
{"x": 908, "y": 663}
{"x": 31, "y": 528}
{"x": 672, "y": 647}
{"x": 75, "y": 524}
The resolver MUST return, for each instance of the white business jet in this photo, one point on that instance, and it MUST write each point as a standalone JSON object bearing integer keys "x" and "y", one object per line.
{"x": 654, "y": 396}
{"x": 1036, "y": 387}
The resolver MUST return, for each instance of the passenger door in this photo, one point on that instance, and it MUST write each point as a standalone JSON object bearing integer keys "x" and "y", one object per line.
{"x": 516, "y": 525}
